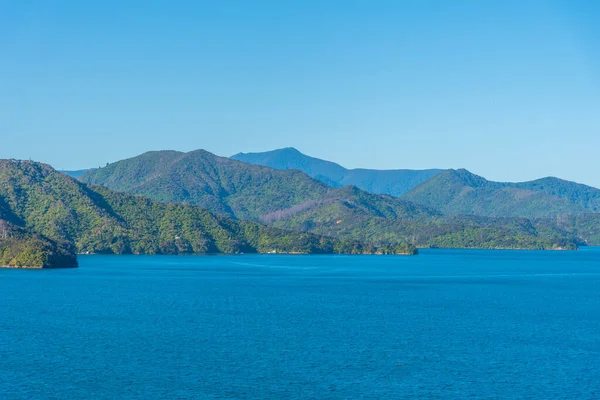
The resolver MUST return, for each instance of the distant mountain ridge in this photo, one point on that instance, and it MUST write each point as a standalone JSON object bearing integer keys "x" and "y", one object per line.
{"x": 456, "y": 192}
{"x": 75, "y": 174}
{"x": 391, "y": 182}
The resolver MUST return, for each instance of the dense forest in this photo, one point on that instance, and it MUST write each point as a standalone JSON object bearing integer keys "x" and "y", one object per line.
{"x": 290, "y": 200}
{"x": 452, "y": 192}
{"x": 98, "y": 220}
{"x": 236, "y": 189}
{"x": 179, "y": 203}
{"x": 21, "y": 248}
{"x": 459, "y": 192}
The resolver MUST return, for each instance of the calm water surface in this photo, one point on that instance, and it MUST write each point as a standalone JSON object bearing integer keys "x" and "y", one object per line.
{"x": 447, "y": 324}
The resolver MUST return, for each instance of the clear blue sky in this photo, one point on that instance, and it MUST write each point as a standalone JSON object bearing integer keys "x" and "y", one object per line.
{"x": 507, "y": 89}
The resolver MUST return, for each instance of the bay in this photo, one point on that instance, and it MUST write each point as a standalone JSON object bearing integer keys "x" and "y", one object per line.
{"x": 447, "y": 324}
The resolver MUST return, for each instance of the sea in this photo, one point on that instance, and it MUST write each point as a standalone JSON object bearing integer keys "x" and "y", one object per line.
{"x": 446, "y": 324}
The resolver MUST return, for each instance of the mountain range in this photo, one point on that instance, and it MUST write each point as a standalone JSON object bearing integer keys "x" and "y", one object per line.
{"x": 75, "y": 173}
{"x": 291, "y": 200}
{"x": 456, "y": 192}
{"x": 237, "y": 189}
{"x": 452, "y": 192}
{"x": 63, "y": 215}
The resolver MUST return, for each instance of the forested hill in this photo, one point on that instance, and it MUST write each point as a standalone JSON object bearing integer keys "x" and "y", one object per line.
{"x": 453, "y": 192}
{"x": 391, "y": 182}
{"x": 98, "y": 220}
{"x": 456, "y": 192}
{"x": 291, "y": 200}
{"x": 238, "y": 189}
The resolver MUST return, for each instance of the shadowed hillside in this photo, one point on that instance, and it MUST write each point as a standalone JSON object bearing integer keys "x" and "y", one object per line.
{"x": 22, "y": 248}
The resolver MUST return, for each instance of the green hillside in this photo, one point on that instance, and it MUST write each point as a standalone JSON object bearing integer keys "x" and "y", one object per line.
{"x": 290, "y": 200}
{"x": 584, "y": 228}
{"x": 456, "y": 192}
{"x": 20, "y": 248}
{"x": 200, "y": 178}
{"x": 440, "y": 231}
{"x": 98, "y": 220}
{"x": 237, "y": 189}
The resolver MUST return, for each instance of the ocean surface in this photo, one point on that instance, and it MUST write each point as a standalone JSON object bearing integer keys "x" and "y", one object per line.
{"x": 447, "y": 324}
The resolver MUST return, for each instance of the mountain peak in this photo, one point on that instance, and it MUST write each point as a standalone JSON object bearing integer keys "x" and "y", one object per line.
{"x": 467, "y": 177}
{"x": 27, "y": 166}
{"x": 202, "y": 153}
{"x": 284, "y": 151}
{"x": 291, "y": 150}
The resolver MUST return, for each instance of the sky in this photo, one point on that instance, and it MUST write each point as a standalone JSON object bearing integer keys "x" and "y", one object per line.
{"x": 507, "y": 89}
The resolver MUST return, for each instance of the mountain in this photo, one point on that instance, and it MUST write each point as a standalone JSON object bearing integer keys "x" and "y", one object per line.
{"x": 238, "y": 189}
{"x": 75, "y": 174}
{"x": 391, "y": 182}
{"x": 96, "y": 220}
{"x": 453, "y": 192}
{"x": 456, "y": 192}
{"x": 203, "y": 179}
{"x": 291, "y": 200}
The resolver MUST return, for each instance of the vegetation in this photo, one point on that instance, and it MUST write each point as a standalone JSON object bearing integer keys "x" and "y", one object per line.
{"x": 390, "y": 182}
{"x": 583, "y": 229}
{"x": 98, "y": 220}
{"x": 438, "y": 231}
{"x": 459, "y": 192}
{"x": 290, "y": 200}
{"x": 233, "y": 188}
{"x": 20, "y": 248}
{"x": 202, "y": 179}
{"x": 304, "y": 216}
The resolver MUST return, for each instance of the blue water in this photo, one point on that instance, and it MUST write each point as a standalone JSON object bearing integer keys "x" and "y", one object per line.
{"x": 447, "y": 324}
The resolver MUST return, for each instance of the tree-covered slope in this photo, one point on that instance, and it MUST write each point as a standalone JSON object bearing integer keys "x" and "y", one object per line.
{"x": 200, "y": 178}
{"x": 236, "y": 189}
{"x": 456, "y": 192}
{"x": 584, "y": 228}
{"x": 21, "y": 248}
{"x": 98, "y": 220}
{"x": 291, "y": 200}
{"x": 391, "y": 182}
{"x": 437, "y": 231}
